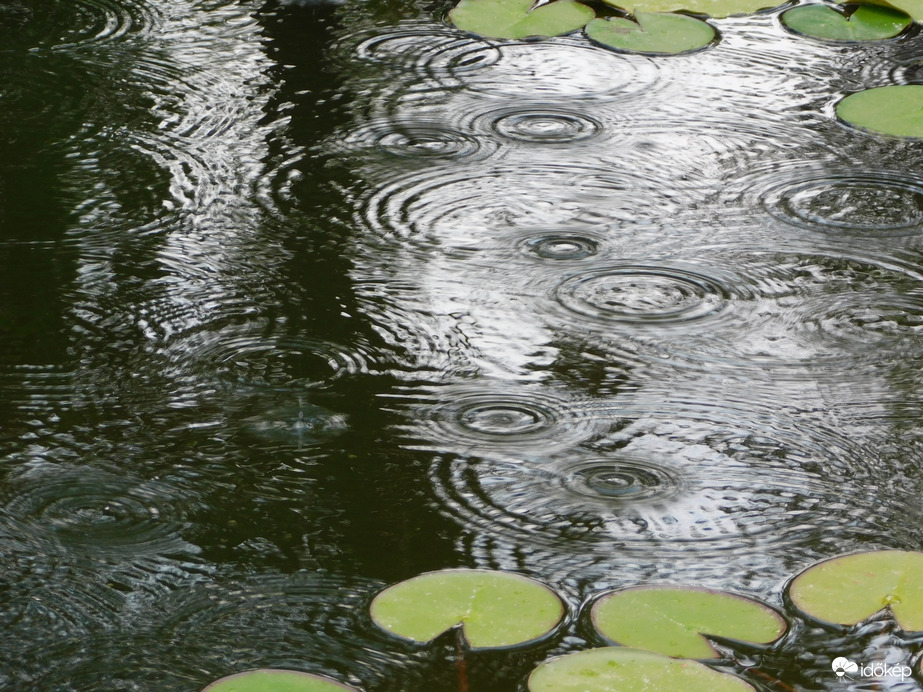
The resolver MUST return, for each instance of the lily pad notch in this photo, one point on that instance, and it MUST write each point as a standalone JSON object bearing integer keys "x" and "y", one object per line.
{"x": 491, "y": 610}
{"x": 664, "y": 633}
{"x": 652, "y": 33}
{"x": 846, "y": 23}
{"x": 845, "y": 591}
{"x": 678, "y": 621}
{"x": 518, "y": 19}
{"x": 649, "y": 32}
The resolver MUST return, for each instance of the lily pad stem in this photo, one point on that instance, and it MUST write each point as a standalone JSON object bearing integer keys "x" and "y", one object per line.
{"x": 461, "y": 662}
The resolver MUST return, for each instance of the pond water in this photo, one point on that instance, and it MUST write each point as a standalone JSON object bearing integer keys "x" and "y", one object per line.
{"x": 301, "y": 300}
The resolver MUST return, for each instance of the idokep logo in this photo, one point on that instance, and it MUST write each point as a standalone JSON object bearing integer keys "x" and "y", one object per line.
{"x": 843, "y": 667}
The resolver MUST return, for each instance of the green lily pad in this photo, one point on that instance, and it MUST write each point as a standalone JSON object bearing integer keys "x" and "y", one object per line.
{"x": 652, "y": 33}
{"x": 494, "y": 609}
{"x": 866, "y": 23}
{"x": 889, "y": 110}
{"x": 517, "y": 19}
{"x": 912, "y": 7}
{"x": 709, "y": 8}
{"x": 847, "y": 590}
{"x": 268, "y": 680}
{"x": 629, "y": 670}
{"x": 673, "y": 620}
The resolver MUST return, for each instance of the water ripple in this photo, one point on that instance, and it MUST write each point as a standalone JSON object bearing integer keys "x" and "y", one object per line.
{"x": 301, "y": 617}
{"x": 837, "y": 199}
{"x": 98, "y": 512}
{"x": 560, "y": 246}
{"x": 201, "y": 102}
{"x": 668, "y": 311}
{"x": 425, "y": 48}
{"x": 642, "y": 294}
{"x": 445, "y": 206}
{"x": 412, "y": 139}
{"x": 35, "y": 390}
{"x": 75, "y": 91}
{"x": 761, "y": 309}
{"x": 848, "y": 302}
{"x": 523, "y": 421}
{"x": 62, "y": 603}
{"x": 671, "y": 479}
{"x": 564, "y": 69}
{"x": 60, "y": 26}
{"x": 286, "y": 363}
{"x": 621, "y": 479}
{"x": 540, "y": 123}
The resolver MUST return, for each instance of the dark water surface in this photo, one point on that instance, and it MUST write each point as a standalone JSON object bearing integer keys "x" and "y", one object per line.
{"x": 297, "y": 301}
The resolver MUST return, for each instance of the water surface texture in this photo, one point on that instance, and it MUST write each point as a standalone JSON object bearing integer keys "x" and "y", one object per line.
{"x": 299, "y": 300}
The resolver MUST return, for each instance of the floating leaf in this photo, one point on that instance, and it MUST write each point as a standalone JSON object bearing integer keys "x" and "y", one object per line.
{"x": 652, "y": 33}
{"x": 709, "y": 8}
{"x": 890, "y": 110}
{"x": 912, "y": 7}
{"x": 847, "y": 590}
{"x": 616, "y": 668}
{"x": 267, "y": 680}
{"x": 672, "y": 620}
{"x": 494, "y": 609}
{"x": 866, "y": 23}
{"x": 517, "y": 19}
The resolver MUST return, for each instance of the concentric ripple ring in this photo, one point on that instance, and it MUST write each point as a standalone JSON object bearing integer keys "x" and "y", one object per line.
{"x": 644, "y": 294}
{"x": 621, "y": 480}
{"x": 868, "y": 202}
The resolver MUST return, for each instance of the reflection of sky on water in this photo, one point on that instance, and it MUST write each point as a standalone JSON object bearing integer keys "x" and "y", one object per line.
{"x": 712, "y": 290}
{"x": 599, "y": 318}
